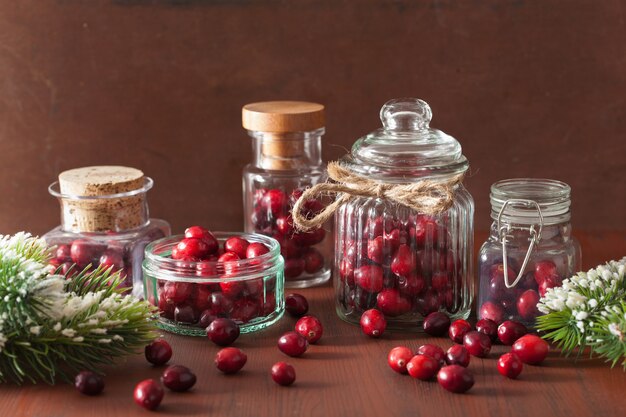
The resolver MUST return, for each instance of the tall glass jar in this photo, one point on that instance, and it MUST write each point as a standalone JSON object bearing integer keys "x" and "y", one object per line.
{"x": 402, "y": 262}
{"x": 531, "y": 239}
{"x": 104, "y": 221}
{"x": 286, "y": 141}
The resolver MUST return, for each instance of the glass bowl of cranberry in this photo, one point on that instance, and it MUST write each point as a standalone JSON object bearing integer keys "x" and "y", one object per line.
{"x": 199, "y": 276}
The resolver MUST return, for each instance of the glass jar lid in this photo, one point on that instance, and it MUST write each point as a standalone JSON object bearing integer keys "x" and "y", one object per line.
{"x": 406, "y": 146}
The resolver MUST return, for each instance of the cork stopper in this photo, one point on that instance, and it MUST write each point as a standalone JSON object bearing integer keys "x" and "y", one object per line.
{"x": 102, "y": 198}
{"x": 282, "y": 124}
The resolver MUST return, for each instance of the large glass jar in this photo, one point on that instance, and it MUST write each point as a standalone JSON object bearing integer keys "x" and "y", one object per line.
{"x": 404, "y": 263}
{"x": 104, "y": 222}
{"x": 531, "y": 239}
{"x": 286, "y": 141}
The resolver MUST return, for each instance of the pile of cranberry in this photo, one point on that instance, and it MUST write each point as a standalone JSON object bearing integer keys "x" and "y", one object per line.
{"x": 271, "y": 217}
{"x": 519, "y": 302}
{"x": 399, "y": 266}
{"x": 197, "y": 304}
{"x": 450, "y": 367}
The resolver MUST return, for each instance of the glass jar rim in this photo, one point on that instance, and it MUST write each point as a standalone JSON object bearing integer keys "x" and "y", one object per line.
{"x": 55, "y": 190}
{"x": 245, "y": 269}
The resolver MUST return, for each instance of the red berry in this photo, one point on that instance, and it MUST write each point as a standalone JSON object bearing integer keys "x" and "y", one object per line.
{"x": 245, "y": 309}
{"x": 230, "y": 360}
{"x": 284, "y": 225}
{"x": 275, "y": 201}
{"x": 439, "y": 281}
{"x": 455, "y": 378}
{"x": 422, "y": 367}
{"x": 492, "y": 311}
{"x": 391, "y": 303}
{"x": 510, "y": 365}
{"x": 373, "y": 323}
{"x": 206, "y": 318}
{"x": 527, "y": 305}
{"x": 177, "y": 292}
{"x": 191, "y": 248}
{"x": 89, "y": 383}
{"x": 158, "y": 352}
{"x": 294, "y": 268}
{"x": 178, "y": 378}
{"x": 425, "y": 230}
{"x": 398, "y": 358}
{"x": 549, "y": 282}
{"x": 403, "y": 262}
{"x": 510, "y": 331}
{"x": 488, "y": 327}
{"x": 222, "y": 331}
{"x": 411, "y": 285}
{"x": 457, "y": 355}
{"x": 458, "y": 329}
{"x": 185, "y": 314}
{"x": 283, "y": 373}
{"x": 431, "y": 350}
{"x": 63, "y": 253}
{"x": 220, "y": 304}
{"x": 313, "y": 261}
{"x": 198, "y": 232}
{"x": 497, "y": 285}
{"x": 545, "y": 270}
{"x": 228, "y": 262}
{"x": 237, "y": 245}
{"x": 310, "y": 327}
{"x": 369, "y": 277}
{"x": 112, "y": 259}
{"x": 531, "y": 349}
{"x": 148, "y": 394}
{"x": 293, "y": 344}
{"x": 84, "y": 252}
{"x": 375, "y": 249}
{"x": 296, "y": 305}
{"x": 477, "y": 344}
{"x": 436, "y": 324}
{"x": 256, "y": 249}
{"x": 289, "y": 249}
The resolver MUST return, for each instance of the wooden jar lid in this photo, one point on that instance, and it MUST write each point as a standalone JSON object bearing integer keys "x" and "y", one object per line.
{"x": 100, "y": 180}
{"x": 283, "y": 116}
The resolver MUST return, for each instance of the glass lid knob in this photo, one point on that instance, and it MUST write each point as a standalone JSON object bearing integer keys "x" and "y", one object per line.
{"x": 406, "y": 114}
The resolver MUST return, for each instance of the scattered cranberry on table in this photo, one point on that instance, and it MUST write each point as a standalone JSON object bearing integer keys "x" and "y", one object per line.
{"x": 531, "y": 349}
{"x": 283, "y": 373}
{"x": 373, "y": 323}
{"x": 510, "y": 331}
{"x": 510, "y": 365}
{"x": 89, "y": 383}
{"x": 178, "y": 378}
{"x": 293, "y": 344}
{"x": 148, "y": 394}
{"x": 223, "y": 332}
{"x": 477, "y": 343}
{"x": 422, "y": 367}
{"x": 296, "y": 305}
{"x": 158, "y": 352}
{"x": 488, "y": 327}
{"x": 230, "y": 360}
{"x": 399, "y": 357}
{"x": 455, "y": 378}
{"x": 433, "y": 351}
{"x": 458, "y": 329}
{"x": 310, "y": 328}
{"x": 457, "y": 355}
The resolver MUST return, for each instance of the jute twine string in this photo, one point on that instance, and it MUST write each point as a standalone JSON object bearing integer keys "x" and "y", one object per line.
{"x": 427, "y": 196}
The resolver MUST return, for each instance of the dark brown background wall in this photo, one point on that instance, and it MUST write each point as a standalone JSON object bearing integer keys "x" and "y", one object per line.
{"x": 530, "y": 88}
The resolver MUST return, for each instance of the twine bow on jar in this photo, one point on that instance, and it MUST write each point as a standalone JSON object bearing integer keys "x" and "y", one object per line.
{"x": 426, "y": 196}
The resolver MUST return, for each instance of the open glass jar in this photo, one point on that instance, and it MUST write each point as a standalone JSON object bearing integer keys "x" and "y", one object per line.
{"x": 190, "y": 294}
{"x": 104, "y": 221}
{"x": 287, "y": 159}
{"x": 403, "y": 262}
{"x": 531, "y": 239}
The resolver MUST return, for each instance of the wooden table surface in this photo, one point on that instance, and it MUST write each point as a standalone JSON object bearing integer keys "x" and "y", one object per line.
{"x": 345, "y": 374}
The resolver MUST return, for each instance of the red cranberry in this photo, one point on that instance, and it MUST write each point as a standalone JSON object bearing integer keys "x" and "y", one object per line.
{"x": 398, "y": 358}
{"x": 510, "y": 365}
{"x": 185, "y": 314}
{"x": 391, "y": 303}
{"x": 492, "y": 311}
{"x": 375, "y": 227}
{"x": 198, "y": 232}
{"x": 531, "y": 349}
{"x": 232, "y": 288}
{"x": 411, "y": 285}
{"x": 373, "y": 323}
{"x": 289, "y": 249}
{"x": 477, "y": 344}
{"x": 284, "y": 225}
{"x": 177, "y": 292}
{"x": 202, "y": 300}
{"x": 527, "y": 305}
{"x": 403, "y": 262}
{"x": 89, "y": 383}
{"x": 206, "y": 318}
{"x": 230, "y": 360}
{"x": 393, "y": 239}
{"x": 245, "y": 310}
{"x": 294, "y": 268}
{"x": 457, "y": 355}
{"x": 222, "y": 331}
{"x": 436, "y": 324}
{"x": 375, "y": 249}
{"x": 191, "y": 248}
{"x": 313, "y": 261}
{"x": 220, "y": 304}
{"x": 158, "y": 352}
{"x": 296, "y": 305}
{"x": 422, "y": 367}
{"x": 84, "y": 252}
{"x": 310, "y": 327}
{"x": 256, "y": 249}
{"x": 458, "y": 329}
{"x": 427, "y": 303}
{"x": 497, "y": 286}
{"x": 283, "y": 373}
{"x": 237, "y": 245}
{"x": 293, "y": 344}
{"x": 369, "y": 277}
{"x": 346, "y": 271}
{"x": 545, "y": 270}
{"x": 148, "y": 394}
{"x": 178, "y": 378}
{"x": 228, "y": 261}
{"x": 510, "y": 331}
{"x": 269, "y": 304}
{"x": 165, "y": 309}
{"x": 439, "y": 281}
{"x": 275, "y": 201}
{"x": 64, "y": 253}
{"x": 425, "y": 231}
{"x": 455, "y": 378}
{"x": 310, "y": 238}
{"x": 433, "y": 351}
{"x": 488, "y": 327}
{"x": 549, "y": 282}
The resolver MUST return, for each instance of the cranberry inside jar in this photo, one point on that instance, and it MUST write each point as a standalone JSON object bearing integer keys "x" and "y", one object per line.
{"x": 192, "y": 285}
{"x": 286, "y": 141}
{"x": 404, "y": 262}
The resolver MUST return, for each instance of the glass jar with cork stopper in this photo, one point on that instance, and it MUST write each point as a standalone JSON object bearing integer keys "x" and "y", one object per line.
{"x": 287, "y": 159}
{"x": 104, "y": 221}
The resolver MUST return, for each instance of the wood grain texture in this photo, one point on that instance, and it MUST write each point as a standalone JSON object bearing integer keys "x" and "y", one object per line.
{"x": 530, "y": 88}
{"x": 345, "y": 375}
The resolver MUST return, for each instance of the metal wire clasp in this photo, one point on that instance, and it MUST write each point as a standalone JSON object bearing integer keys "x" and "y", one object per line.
{"x": 503, "y": 231}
